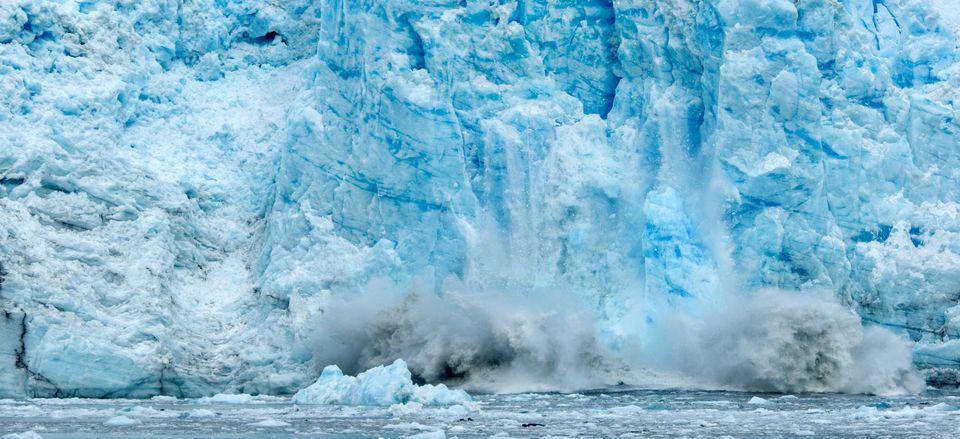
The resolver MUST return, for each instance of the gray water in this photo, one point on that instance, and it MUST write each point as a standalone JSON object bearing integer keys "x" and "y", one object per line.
{"x": 629, "y": 413}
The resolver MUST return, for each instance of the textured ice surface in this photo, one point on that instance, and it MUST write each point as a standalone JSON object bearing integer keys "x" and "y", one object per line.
{"x": 132, "y": 179}
{"x": 381, "y": 386}
{"x": 187, "y": 186}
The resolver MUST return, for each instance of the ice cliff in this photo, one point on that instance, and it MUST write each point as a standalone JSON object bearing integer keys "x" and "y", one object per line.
{"x": 202, "y": 196}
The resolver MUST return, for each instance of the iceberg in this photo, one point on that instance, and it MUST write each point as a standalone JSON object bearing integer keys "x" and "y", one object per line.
{"x": 24, "y": 435}
{"x": 379, "y": 386}
{"x": 189, "y": 191}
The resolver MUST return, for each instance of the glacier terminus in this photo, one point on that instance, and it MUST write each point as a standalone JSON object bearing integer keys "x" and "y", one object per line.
{"x": 203, "y": 197}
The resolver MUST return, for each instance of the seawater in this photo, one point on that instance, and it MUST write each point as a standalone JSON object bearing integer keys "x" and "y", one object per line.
{"x": 608, "y": 413}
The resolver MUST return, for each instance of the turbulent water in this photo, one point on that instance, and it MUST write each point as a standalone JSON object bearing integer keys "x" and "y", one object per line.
{"x": 624, "y": 413}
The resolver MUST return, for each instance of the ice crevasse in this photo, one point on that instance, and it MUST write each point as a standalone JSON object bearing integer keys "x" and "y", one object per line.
{"x": 208, "y": 196}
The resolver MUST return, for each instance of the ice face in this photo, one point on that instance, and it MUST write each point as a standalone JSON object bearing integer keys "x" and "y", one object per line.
{"x": 117, "y": 197}
{"x": 185, "y": 187}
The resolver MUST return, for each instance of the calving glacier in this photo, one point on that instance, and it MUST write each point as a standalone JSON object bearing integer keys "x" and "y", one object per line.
{"x": 226, "y": 196}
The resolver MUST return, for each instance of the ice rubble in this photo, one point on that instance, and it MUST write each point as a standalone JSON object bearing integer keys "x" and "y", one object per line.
{"x": 379, "y": 386}
{"x": 185, "y": 186}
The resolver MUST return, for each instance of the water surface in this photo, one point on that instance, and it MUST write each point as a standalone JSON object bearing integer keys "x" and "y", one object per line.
{"x": 630, "y": 413}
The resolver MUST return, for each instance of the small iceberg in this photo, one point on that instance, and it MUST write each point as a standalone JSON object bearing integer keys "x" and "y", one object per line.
{"x": 270, "y": 423}
{"x": 379, "y": 386}
{"x": 227, "y": 398}
{"x": 121, "y": 421}
{"x": 25, "y": 435}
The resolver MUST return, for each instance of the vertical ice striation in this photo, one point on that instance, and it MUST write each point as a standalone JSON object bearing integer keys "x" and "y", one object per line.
{"x": 188, "y": 187}
{"x": 743, "y": 144}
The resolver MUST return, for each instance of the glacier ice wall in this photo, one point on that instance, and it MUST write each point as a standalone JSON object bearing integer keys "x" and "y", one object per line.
{"x": 138, "y": 145}
{"x": 188, "y": 188}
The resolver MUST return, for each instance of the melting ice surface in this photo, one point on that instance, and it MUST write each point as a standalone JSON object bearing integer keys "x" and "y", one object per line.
{"x": 223, "y": 196}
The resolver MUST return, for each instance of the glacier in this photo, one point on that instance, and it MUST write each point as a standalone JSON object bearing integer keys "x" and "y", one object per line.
{"x": 225, "y": 196}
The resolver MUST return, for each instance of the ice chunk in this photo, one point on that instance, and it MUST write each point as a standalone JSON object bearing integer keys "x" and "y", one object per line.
{"x": 224, "y": 398}
{"x": 379, "y": 386}
{"x": 201, "y": 413}
{"x": 24, "y": 435}
{"x": 121, "y": 421}
{"x": 270, "y": 423}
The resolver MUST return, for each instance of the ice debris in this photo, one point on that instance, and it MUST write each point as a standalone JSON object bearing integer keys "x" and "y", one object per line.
{"x": 439, "y": 434}
{"x": 270, "y": 423}
{"x": 25, "y": 435}
{"x": 379, "y": 386}
{"x": 121, "y": 421}
{"x": 224, "y": 398}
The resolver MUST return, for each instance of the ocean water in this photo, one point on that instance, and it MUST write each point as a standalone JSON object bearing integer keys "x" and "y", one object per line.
{"x": 609, "y": 413}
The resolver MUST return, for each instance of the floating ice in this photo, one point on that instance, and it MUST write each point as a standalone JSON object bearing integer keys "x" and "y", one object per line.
{"x": 712, "y": 414}
{"x": 201, "y": 413}
{"x": 121, "y": 421}
{"x": 439, "y": 434}
{"x": 379, "y": 386}
{"x": 24, "y": 435}
{"x": 270, "y": 423}
{"x": 223, "y": 398}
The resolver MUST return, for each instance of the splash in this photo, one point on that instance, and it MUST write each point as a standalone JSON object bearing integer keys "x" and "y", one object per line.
{"x": 777, "y": 341}
{"x": 538, "y": 341}
{"x": 510, "y": 323}
{"x": 548, "y": 340}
